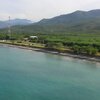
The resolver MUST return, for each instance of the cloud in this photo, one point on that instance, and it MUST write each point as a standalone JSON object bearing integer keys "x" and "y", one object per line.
{"x": 38, "y": 9}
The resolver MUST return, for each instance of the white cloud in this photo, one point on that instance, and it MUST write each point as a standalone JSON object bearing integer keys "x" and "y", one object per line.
{"x": 38, "y": 9}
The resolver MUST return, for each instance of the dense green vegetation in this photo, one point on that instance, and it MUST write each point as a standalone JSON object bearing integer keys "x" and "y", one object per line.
{"x": 85, "y": 44}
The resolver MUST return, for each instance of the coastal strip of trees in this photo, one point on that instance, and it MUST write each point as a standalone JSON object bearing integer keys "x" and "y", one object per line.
{"x": 86, "y": 44}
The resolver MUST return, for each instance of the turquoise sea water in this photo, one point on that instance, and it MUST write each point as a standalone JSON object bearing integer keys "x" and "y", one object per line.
{"x": 30, "y": 75}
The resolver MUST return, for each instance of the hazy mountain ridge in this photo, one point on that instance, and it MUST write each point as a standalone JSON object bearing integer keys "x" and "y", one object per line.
{"x": 5, "y": 24}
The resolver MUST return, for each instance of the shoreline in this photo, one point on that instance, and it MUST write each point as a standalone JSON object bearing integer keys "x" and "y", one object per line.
{"x": 81, "y": 57}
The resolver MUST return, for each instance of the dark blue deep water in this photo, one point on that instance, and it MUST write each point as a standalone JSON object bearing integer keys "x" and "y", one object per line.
{"x": 30, "y": 75}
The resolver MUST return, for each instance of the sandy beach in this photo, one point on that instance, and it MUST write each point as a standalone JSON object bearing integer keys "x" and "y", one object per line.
{"x": 94, "y": 59}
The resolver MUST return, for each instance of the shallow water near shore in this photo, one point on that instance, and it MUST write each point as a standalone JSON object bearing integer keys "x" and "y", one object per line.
{"x": 30, "y": 75}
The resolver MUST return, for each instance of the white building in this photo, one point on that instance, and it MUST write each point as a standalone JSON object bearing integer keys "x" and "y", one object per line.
{"x": 33, "y": 37}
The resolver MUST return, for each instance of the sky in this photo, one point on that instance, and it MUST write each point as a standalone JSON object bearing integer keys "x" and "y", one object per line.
{"x": 36, "y": 10}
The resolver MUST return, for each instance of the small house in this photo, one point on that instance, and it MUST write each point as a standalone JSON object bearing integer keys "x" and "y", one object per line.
{"x": 33, "y": 37}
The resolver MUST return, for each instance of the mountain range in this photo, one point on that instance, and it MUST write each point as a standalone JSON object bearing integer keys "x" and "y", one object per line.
{"x": 78, "y": 21}
{"x": 14, "y": 22}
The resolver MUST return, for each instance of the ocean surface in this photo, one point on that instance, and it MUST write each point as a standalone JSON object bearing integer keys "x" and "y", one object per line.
{"x": 30, "y": 75}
